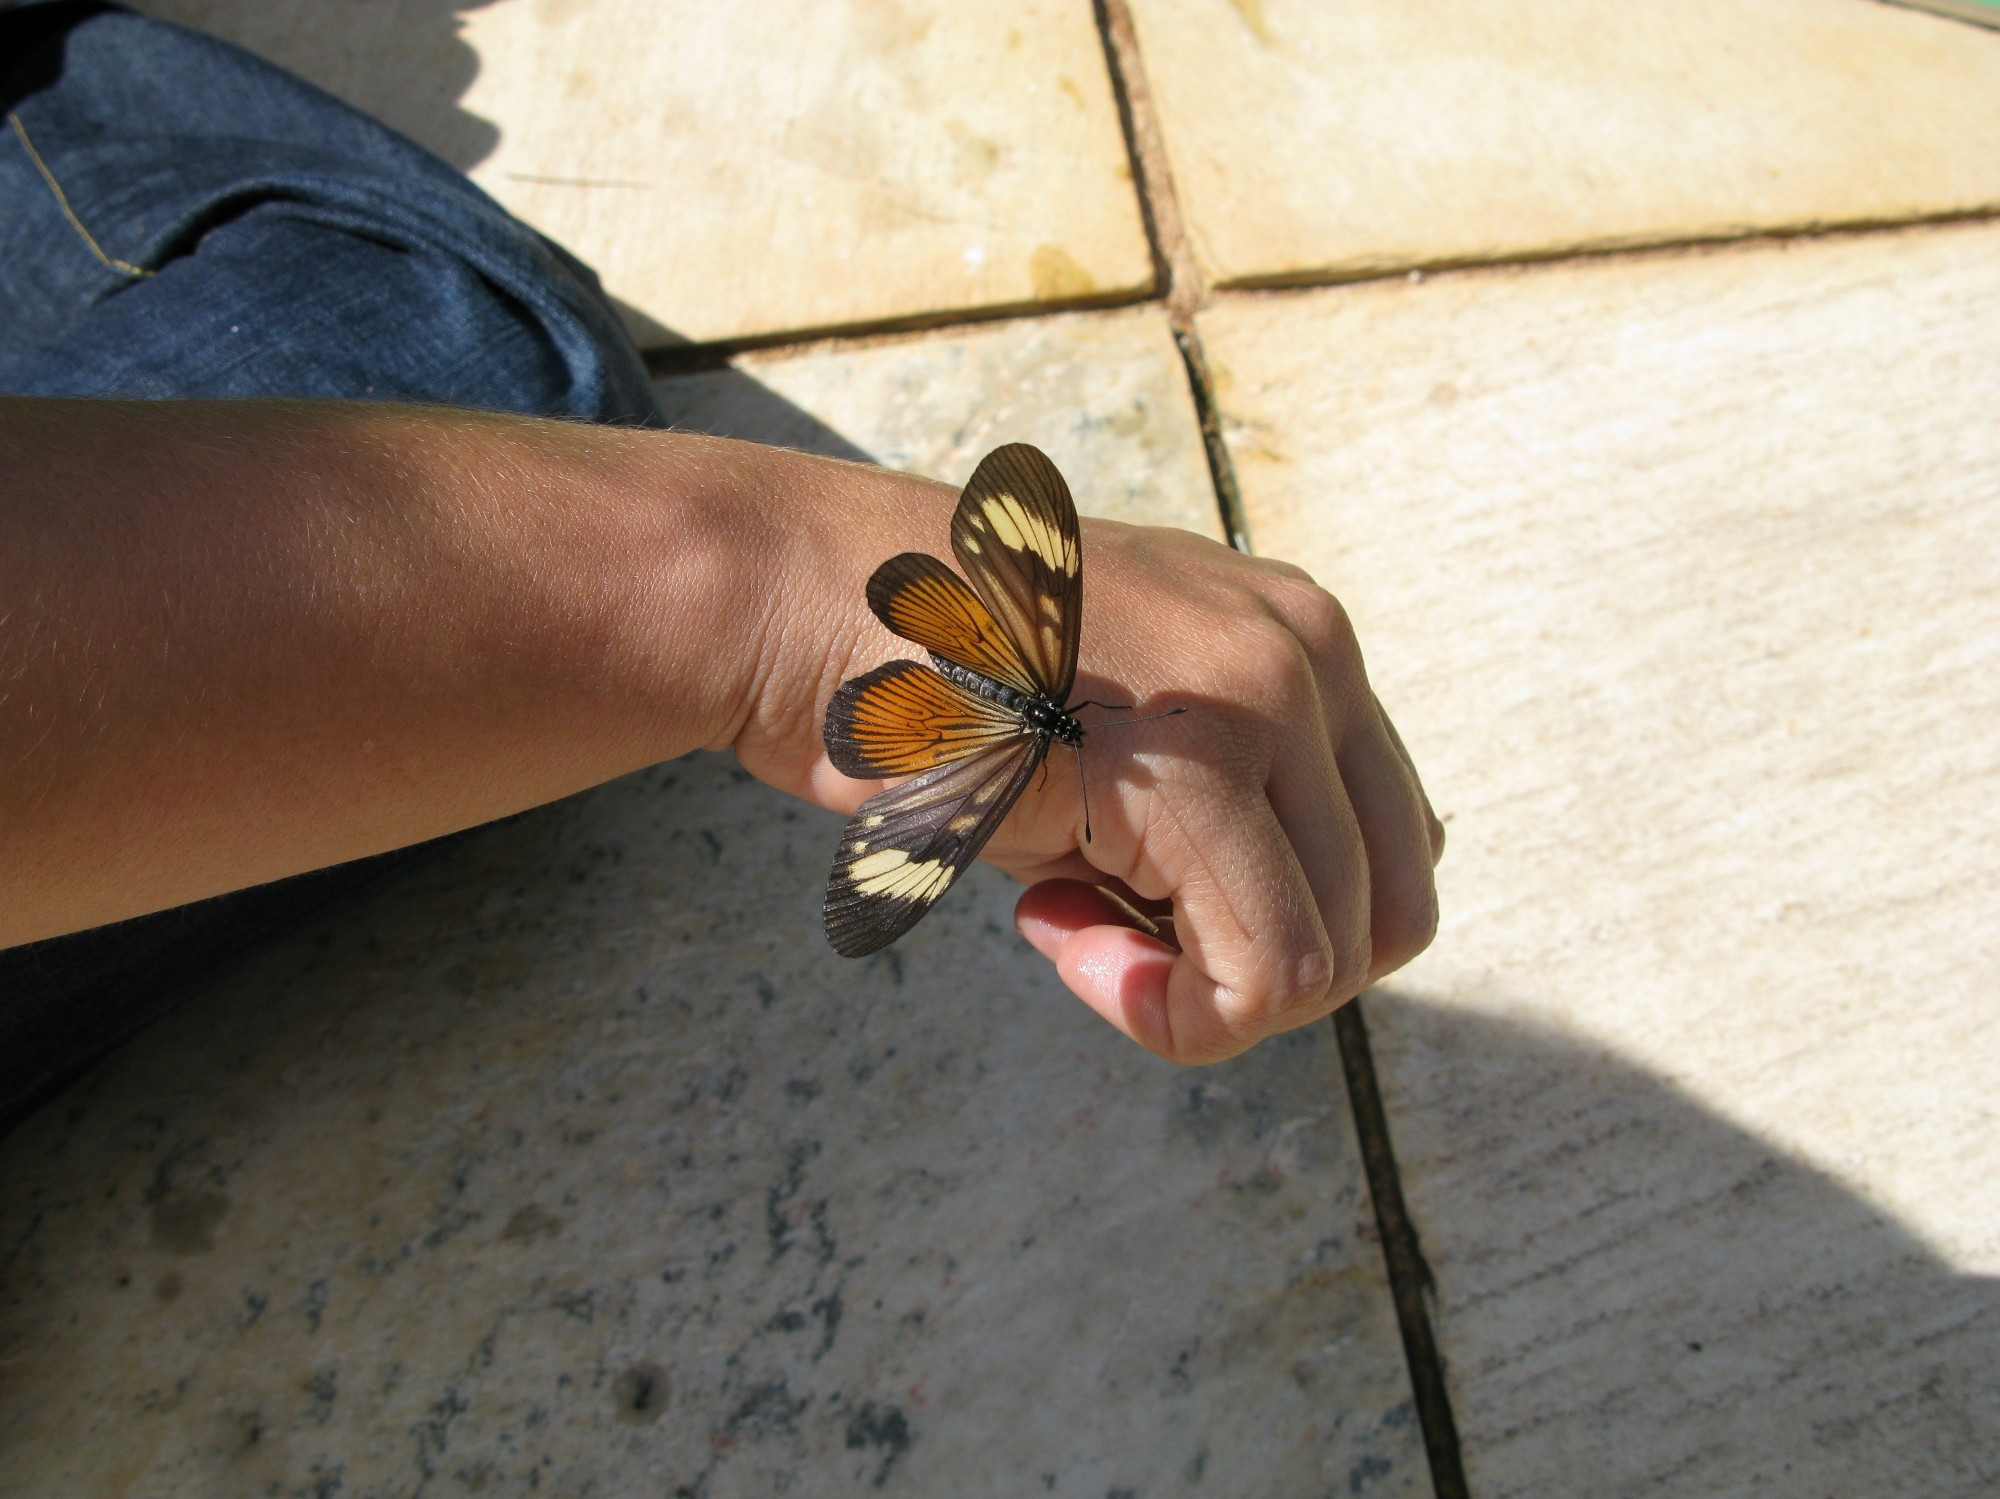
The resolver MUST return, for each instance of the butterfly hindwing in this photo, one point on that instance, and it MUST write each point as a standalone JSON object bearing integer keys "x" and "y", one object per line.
{"x": 903, "y": 718}
{"x": 924, "y": 601}
{"x": 906, "y": 845}
{"x": 1016, "y": 536}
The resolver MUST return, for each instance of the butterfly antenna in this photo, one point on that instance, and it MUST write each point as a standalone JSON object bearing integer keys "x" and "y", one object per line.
{"x": 1083, "y": 785}
{"x": 1119, "y": 723}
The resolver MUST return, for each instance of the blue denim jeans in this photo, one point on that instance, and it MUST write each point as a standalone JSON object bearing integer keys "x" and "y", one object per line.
{"x": 179, "y": 219}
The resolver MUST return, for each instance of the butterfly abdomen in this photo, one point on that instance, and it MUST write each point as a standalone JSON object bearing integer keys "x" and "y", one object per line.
{"x": 1039, "y": 715}
{"x": 986, "y": 687}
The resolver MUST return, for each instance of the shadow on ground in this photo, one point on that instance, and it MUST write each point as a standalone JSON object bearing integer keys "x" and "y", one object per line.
{"x": 1634, "y": 1289}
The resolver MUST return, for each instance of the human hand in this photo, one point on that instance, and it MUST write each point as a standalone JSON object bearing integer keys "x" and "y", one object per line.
{"x": 1256, "y": 862}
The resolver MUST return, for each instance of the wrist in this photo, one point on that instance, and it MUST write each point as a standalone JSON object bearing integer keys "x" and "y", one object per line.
{"x": 818, "y": 528}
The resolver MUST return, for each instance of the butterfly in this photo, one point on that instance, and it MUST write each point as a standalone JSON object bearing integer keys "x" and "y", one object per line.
{"x": 973, "y": 726}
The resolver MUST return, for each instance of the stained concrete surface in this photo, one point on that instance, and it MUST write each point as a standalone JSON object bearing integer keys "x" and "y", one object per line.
{"x": 744, "y": 171}
{"x": 1311, "y": 141}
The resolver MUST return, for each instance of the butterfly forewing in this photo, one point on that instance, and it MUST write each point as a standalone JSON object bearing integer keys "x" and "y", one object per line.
{"x": 1015, "y": 534}
{"x": 903, "y": 718}
{"x": 906, "y": 845}
{"x": 924, "y": 601}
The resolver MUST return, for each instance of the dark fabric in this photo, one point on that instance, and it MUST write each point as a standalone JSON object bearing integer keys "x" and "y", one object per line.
{"x": 295, "y": 247}
{"x": 179, "y": 219}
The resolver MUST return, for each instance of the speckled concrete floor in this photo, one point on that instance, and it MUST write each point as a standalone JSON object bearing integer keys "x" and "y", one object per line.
{"x": 573, "y": 1162}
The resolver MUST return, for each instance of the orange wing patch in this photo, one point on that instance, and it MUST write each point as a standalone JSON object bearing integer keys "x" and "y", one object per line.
{"x": 924, "y": 601}
{"x": 902, "y": 718}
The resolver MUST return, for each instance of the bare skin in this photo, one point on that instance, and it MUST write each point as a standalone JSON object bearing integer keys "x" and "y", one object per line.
{"x": 242, "y": 640}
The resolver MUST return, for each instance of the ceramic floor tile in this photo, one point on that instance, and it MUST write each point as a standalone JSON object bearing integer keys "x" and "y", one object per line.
{"x": 1681, "y": 575}
{"x": 1311, "y": 141}
{"x": 574, "y": 1162}
{"x": 739, "y": 171}
{"x": 1104, "y": 394}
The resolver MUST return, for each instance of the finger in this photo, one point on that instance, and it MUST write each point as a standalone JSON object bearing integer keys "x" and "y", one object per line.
{"x": 1256, "y": 957}
{"x": 1119, "y": 971}
{"x": 1324, "y": 629}
{"x": 1432, "y": 826}
{"x": 1072, "y": 866}
{"x": 1125, "y": 976}
{"x": 1313, "y": 807}
{"x": 1395, "y": 826}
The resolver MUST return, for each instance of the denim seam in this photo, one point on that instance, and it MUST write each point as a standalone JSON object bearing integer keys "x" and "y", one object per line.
{"x": 62, "y": 202}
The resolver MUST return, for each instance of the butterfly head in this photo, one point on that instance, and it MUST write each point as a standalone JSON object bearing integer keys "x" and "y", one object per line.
{"x": 1044, "y": 717}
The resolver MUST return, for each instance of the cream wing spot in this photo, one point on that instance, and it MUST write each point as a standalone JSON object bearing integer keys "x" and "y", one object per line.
{"x": 876, "y": 866}
{"x": 1024, "y": 530}
{"x": 892, "y": 874}
{"x": 924, "y": 879}
{"x": 1000, "y": 515}
{"x": 1047, "y": 544}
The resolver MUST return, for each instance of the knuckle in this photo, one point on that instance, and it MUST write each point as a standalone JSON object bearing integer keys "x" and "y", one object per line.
{"x": 1306, "y": 984}
{"x": 1203, "y": 1035}
{"x": 1277, "y": 567}
{"x": 1405, "y": 930}
{"x": 1278, "y": 659}
{"x": 1216, "y": 1045}
{"x": 1320, "y": 620}
{"x": 1290, "y": 992}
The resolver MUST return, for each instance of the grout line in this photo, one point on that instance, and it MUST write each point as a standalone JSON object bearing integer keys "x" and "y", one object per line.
{"x": 1182, "y": 285}
{"x": 1186, "y": 292}
{"x": 1409, "y": 1277}
{"x": 1720, "y": 242}
{"x": 683, "y": 358}
{"x": 1221, "y": 470}
{"x": 1180, "y": 279}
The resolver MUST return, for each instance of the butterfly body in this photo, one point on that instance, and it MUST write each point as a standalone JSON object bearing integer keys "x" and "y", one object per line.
{"x": 973, "y": 727}
{"x": 1042, "y": 715}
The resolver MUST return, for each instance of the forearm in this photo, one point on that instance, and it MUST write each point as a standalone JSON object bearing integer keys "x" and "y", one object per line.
{"x": 242, "y": 640}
